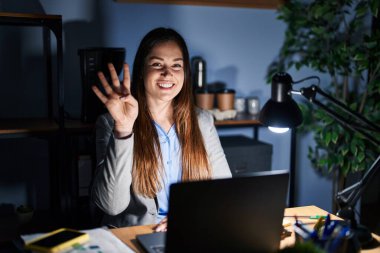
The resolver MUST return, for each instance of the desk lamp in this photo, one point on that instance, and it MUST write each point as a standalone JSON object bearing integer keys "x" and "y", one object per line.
{"x": 281, "y": 113}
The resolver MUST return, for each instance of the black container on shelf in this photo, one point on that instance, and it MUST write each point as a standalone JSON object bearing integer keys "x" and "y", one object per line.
{"x": 198, "y": 68}
{"x": 93, "y": 60}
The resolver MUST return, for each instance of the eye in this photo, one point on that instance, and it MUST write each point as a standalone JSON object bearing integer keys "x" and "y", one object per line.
{"x": 177, "y": 66}
{"x": 156, "y": 65}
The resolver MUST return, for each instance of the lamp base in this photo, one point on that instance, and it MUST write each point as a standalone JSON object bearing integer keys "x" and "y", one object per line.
{"x": 361, "y": 232}
{"x": 364, "y": 235}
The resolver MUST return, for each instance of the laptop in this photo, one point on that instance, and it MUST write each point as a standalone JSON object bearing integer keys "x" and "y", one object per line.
{"x": 242, "y": 214}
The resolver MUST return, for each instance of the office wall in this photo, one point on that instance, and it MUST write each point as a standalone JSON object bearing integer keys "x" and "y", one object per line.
{"x": 237, "y": 43}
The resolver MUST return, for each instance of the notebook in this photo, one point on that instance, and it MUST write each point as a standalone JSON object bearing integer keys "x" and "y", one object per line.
{"x": 241, "y": 214}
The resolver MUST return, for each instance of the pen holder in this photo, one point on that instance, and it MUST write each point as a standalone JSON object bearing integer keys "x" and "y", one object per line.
{"x": 350, "y": 244}
{"x": 341, "y": 240}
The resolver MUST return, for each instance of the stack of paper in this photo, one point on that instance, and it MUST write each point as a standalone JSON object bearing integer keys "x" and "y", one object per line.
{"x": 101, "y": 241}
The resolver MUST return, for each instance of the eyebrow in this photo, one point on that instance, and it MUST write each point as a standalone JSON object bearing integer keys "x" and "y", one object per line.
{"x": 159, "y": 58}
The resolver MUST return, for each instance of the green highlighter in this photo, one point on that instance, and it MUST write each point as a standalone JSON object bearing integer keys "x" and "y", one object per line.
{"x": 315, "y": 217}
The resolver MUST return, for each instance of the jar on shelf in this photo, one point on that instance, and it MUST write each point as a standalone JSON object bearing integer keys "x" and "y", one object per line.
{"x": 240, "y": 105}
{"x": 253, "y": 105}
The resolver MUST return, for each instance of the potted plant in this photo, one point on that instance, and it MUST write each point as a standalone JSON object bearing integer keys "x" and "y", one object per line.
{"x": 342, "y": 40}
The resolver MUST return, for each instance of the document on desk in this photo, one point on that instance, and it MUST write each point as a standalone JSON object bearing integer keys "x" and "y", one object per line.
{"x": 101, "y": 241}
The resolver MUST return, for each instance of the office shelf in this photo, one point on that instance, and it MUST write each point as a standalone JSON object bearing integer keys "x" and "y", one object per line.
{"x": 77, "y": 126}
{"x": 27, "y": 126}
{"x": 55, "y": 89}
{"x": 17, "y": 18}
{"x": 241, "y": 120}
{"x": 264, "y": 4}
{"x": 49, "y": 127}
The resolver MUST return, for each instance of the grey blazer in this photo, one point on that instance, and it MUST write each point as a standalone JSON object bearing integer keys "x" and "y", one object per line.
{"x": 111, "y": 188}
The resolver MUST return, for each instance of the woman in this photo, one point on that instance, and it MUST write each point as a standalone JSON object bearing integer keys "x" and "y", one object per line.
{"x": 153, "y": 135}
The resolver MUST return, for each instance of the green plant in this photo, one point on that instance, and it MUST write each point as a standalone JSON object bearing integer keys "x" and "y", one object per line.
{"x": 338, "y": 38}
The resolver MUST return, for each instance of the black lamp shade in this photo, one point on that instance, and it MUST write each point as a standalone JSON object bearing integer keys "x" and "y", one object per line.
{"x": 281, "y": 110}
{"x": 281, "y": 114}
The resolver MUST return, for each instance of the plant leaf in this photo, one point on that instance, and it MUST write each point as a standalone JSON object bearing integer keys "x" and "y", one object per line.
{"x": 374, "y": 6}
{"x": 361, "y": 156}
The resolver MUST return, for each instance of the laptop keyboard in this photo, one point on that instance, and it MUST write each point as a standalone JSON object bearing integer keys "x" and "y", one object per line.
{"x": 159, "y": 249}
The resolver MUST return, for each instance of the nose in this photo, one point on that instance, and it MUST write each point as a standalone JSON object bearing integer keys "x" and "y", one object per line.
{"x": 166, "y": 71}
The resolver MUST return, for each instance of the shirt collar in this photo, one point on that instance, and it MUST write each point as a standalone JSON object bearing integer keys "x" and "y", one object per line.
{"x": 161, "y": 133}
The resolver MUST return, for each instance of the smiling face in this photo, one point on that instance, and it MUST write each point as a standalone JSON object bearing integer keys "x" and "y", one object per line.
{"x": 163, "y": 72}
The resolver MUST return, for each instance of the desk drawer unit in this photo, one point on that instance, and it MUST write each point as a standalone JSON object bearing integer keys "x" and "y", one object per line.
{"x": 246, "y": 155}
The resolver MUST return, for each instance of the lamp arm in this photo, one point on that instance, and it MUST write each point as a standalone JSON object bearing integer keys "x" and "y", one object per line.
{"x": 358, "y": 116}
{"x": 356, "y": 189}
{"x": 343, "y": 121}
{"x": 310, "y": 94}
{"x": 349, "y": 195}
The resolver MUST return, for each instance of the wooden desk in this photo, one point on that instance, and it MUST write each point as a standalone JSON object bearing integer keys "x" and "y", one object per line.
{"x": 128, "y": 234}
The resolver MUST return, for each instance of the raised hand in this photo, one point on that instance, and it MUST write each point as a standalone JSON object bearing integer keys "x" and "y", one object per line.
{"x": 122, "y": 106}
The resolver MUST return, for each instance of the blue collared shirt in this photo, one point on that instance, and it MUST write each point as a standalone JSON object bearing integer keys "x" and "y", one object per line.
{"x": 171, "y": 158}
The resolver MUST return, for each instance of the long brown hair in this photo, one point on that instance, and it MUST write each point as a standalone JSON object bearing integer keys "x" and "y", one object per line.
{"x": 147, "y": 158}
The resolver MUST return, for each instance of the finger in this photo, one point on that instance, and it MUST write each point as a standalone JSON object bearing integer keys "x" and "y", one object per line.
{"x": 155, "y": 227}
{"x": 126, "y": 79}
{"x": 160, "y": 228}
{"x": 104, "y": 83}
{"x": 99, "y": 94}
{"x": 114, "y": 76}
{"x": 162, "y": 225}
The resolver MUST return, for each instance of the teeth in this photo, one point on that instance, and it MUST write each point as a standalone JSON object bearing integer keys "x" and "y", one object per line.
{"x": 166, "y": 85}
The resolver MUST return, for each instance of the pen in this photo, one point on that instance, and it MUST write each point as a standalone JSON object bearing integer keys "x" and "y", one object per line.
{"x": 313, "y": 217}
{"x": 319, "y": 224}
{"x": 302, "y": 231}
{"x": 339, "y": 239}
{"x": 326, "y": 231}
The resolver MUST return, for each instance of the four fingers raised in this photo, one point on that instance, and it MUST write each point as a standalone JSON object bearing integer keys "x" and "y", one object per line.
{"x": 117, "y": 91}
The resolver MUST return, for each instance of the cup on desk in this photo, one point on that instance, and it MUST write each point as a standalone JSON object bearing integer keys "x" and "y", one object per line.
{"x": 204, "y": 99}
{"x": 225, "y": 99}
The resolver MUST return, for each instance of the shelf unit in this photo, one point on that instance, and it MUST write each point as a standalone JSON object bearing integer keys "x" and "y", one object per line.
{"x": 51, "y": 126}
{"x": 241, "y": 120}
{"x": 264, "y": 4}
{"x": 55, "y": 119}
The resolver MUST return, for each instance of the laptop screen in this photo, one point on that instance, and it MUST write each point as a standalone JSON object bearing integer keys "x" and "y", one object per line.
{"x": 228, "y": 215}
